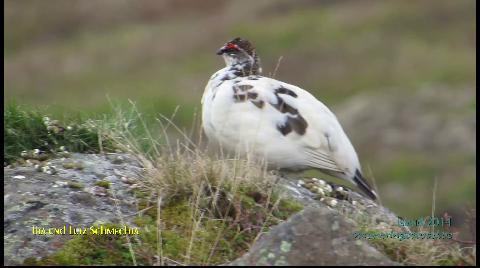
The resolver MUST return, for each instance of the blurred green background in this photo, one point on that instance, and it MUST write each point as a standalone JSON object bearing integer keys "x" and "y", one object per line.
{"x": 400, "y": 75}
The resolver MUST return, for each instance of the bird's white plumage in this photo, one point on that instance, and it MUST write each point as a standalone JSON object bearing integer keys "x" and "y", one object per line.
{"x": 243, "y": 126}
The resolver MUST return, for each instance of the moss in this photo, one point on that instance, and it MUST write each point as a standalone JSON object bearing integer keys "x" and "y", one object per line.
{"x": 286, "y": 208}
{"x": 75, "y": 185}
{"x": 142, "y": 194}
{"x": 104, "y": 184}
{"x": 31, "y": 261}
{"x": 419, "y": 252}
{"x": 185, "y": 236}
{"x": 141, "y": 221}
{"x": 92, "y": 250}
{"x": 248, "y": 201}
{"x": 73, "y": 165}
{"x": 149, "y": 209}
{"x": 177, "y": 231}
{"x": 188, "y": 236}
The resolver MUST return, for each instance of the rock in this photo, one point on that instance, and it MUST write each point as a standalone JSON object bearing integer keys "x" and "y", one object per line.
{"x": 314, "y": 236}
{"x": 353, "y": 205}
{"x": 61, "y": 198}
{"x": 320, "y": 234}
{"x": 127, "y": 180}
{"x": 329, "y": 221}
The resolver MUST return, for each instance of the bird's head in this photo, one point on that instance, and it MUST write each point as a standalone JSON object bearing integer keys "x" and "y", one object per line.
{"x": 238, "y": 51}
{"x": 237, "y": 46}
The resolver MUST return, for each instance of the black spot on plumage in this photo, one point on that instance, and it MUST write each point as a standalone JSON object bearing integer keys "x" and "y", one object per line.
{"x": 284, "y": 107}
{"x": 225, "y": 77}
{"x": 240, "y": 97}
{"x": 283, "y": 90}
{"x": 252, "y": 78}
{"x": 252, "y": 95}
{"x": 284, "y": 129}
{"x": 297, "y": 124}
{"x": 258, "y": 103}
{"x": 294, "y": 120}
{"x": 241, "y": 94}
{"x": 239, "y": 73}
{"x": 244, "y": 87}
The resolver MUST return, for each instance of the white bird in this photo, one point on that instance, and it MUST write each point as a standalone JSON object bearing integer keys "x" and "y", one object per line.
{"x": 282, "y": 123}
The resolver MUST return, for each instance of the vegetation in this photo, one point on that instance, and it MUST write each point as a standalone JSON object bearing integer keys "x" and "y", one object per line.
{"x": 69, "y": 59}
{"x": 104, "y": 184}
{"x": 64, "y": 58}
{"x": 196, "y": 209}
{"x": 192, "y": 208}
{"x": 26, "y": 130}
{"x": 421, "y": 252}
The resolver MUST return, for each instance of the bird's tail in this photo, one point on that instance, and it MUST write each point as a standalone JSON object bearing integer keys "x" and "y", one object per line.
{"x": 363, "y": 185}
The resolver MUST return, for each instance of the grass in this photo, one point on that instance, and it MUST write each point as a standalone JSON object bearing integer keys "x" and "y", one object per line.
{"x": 26, "y": 130}
{"x": 89, "y": 250}
{"x": 335, "y": 50}
{"x": 192, "y": 208}
{"x": 420, "y": 252}
{"x": 214, "y": 208}
{"x": 104, "y": 184}
{"x": 391, "y": 44}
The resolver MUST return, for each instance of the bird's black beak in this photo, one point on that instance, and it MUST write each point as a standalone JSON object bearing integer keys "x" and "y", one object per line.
{"x": 221, "y": 50}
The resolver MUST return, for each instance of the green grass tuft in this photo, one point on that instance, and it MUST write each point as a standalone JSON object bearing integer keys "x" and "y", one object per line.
{"x": 104, "y": 184}
{"x": 29, "y": 129}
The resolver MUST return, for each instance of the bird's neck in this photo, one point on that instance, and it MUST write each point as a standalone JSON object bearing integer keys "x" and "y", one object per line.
{"x": 243, "y": 66}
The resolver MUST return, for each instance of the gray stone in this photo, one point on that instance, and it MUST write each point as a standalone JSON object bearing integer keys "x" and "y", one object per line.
{"x": 37, "y": 199}
{"x": 321, "y": 234}
{"x": 317, "y": 244}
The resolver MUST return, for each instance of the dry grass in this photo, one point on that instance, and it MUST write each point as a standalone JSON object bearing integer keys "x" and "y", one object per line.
{"x": 421, "y": 251}
{"x": 426, "y": 251}
{"x": 229, "y": 201}
{"x": 199, "y": 209}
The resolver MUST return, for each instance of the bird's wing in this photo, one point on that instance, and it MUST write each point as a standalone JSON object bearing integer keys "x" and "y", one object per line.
{"x": 322, "y": 160}
{"x": 295, "y": 118}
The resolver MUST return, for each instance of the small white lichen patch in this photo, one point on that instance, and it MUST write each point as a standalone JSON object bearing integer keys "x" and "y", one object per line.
{"x": 285, "y": 246}
{"x": 60, "y": 183}
{"x": 332, "y": 202}
{"x": 328, "y": 188}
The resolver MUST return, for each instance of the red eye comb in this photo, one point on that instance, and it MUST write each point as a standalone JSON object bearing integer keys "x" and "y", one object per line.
{"x": 231, "y": 46}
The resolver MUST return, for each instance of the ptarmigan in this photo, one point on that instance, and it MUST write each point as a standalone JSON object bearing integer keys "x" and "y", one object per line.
{"x": 281, "y": 123}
